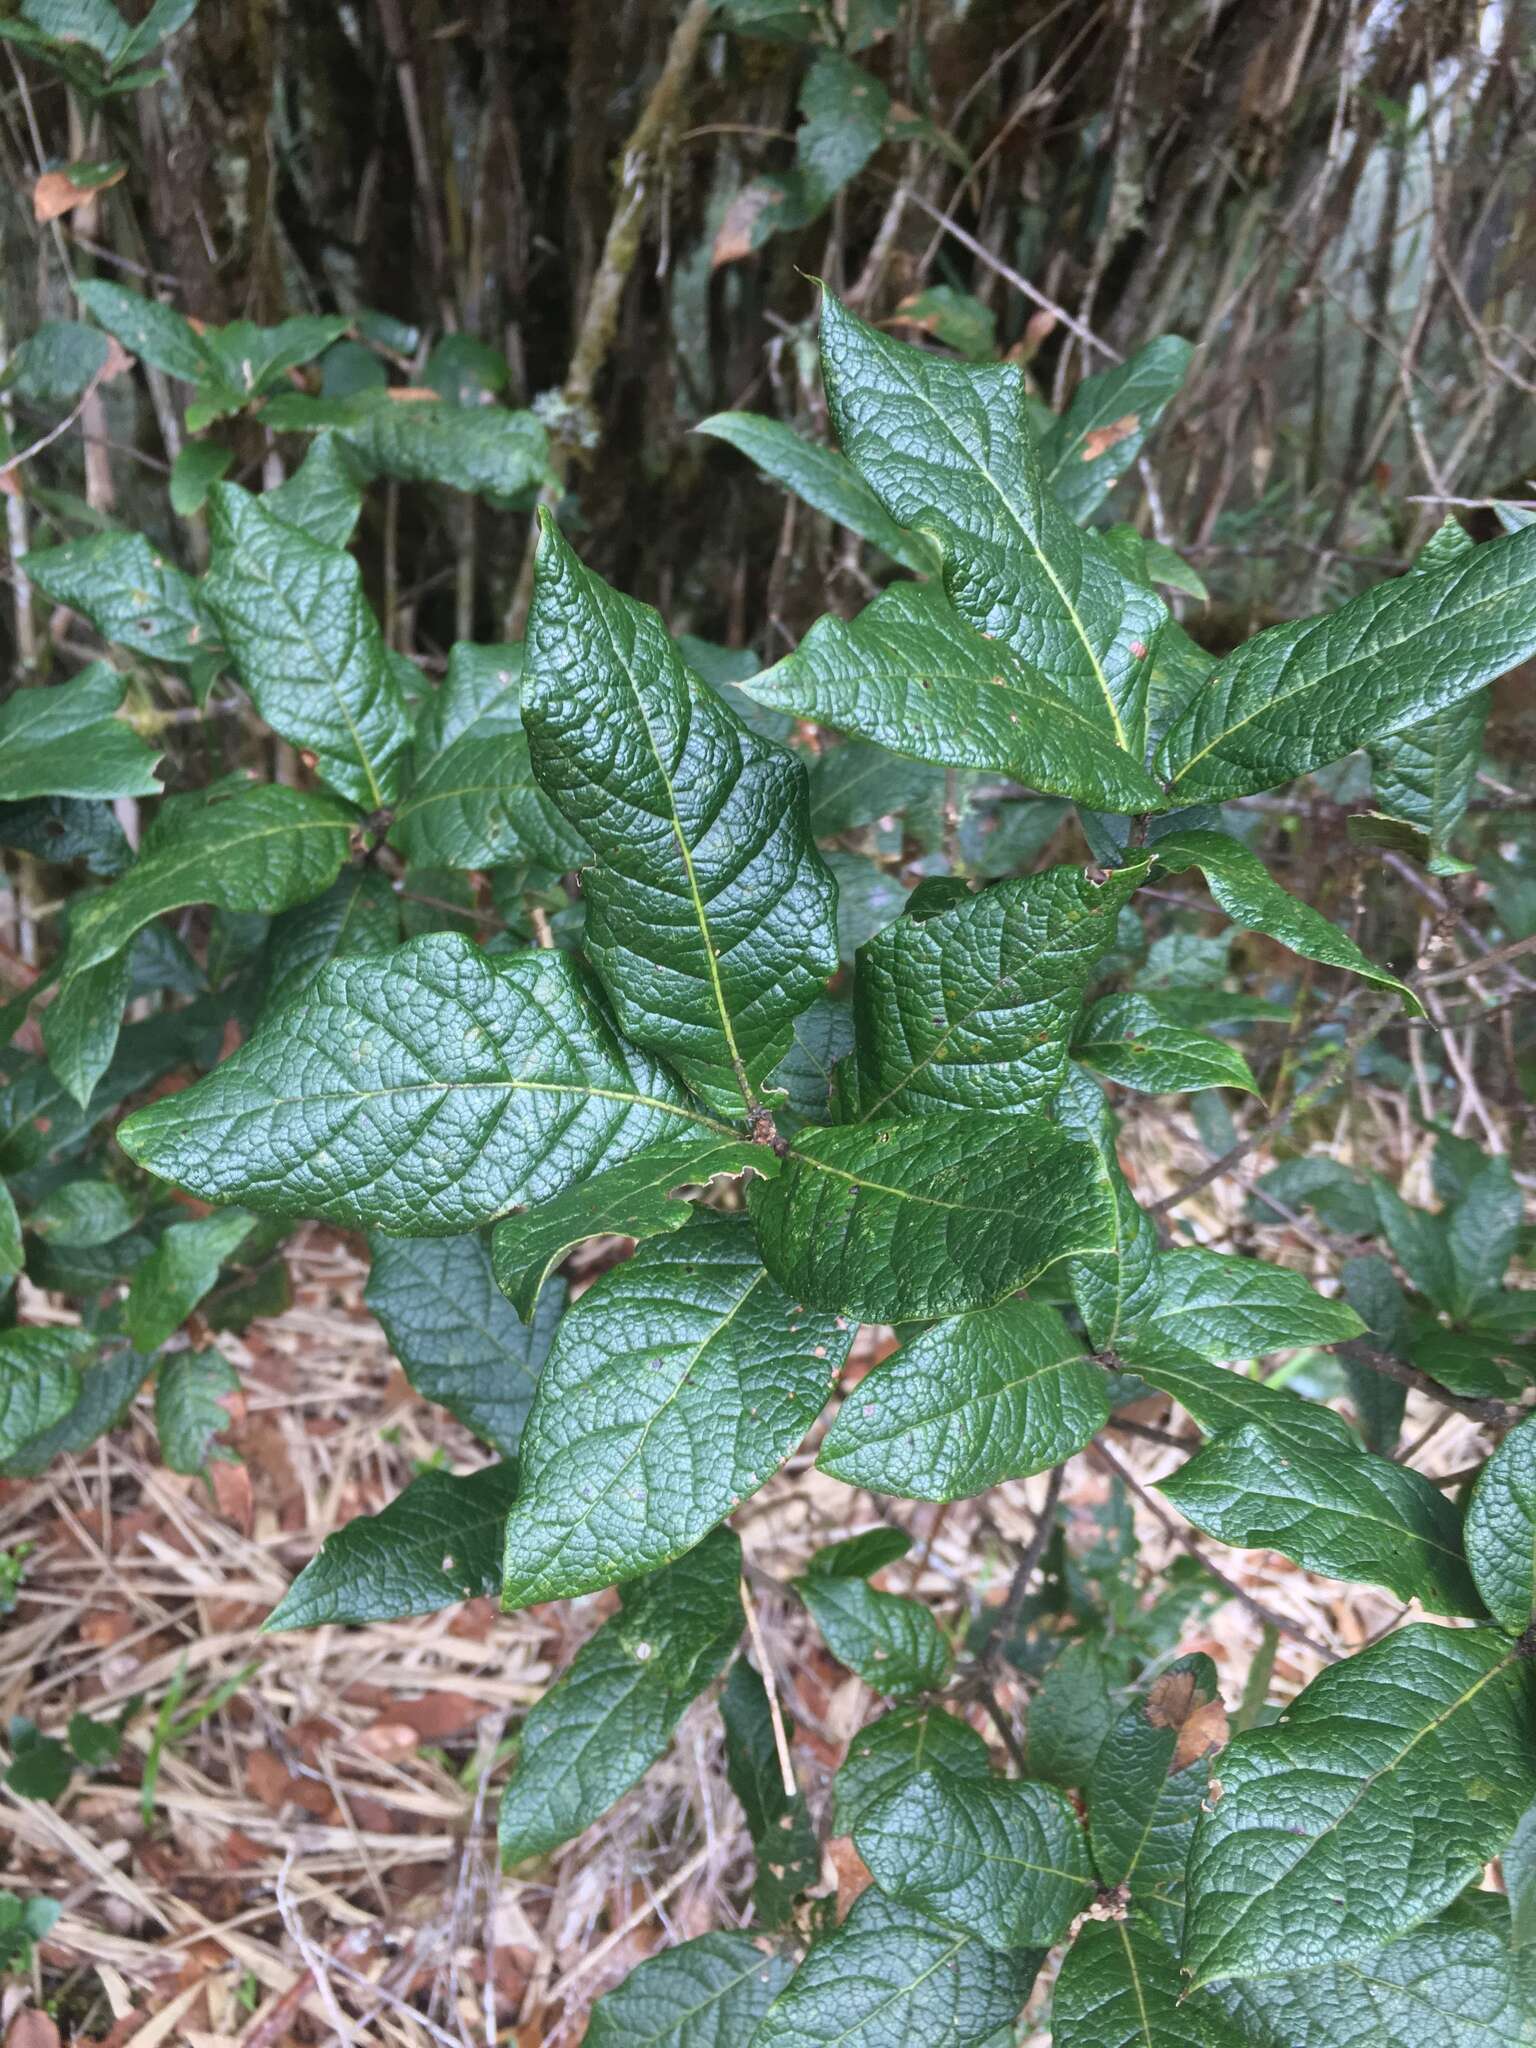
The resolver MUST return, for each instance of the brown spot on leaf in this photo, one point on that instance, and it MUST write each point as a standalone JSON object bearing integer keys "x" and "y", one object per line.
{"x": 1102, "y": 439}
{"x": 1176, "y": 1701}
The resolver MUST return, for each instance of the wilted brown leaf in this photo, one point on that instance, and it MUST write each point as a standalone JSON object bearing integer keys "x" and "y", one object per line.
{"x": 1102, "y": 439}
{"x": 56, "y": 192}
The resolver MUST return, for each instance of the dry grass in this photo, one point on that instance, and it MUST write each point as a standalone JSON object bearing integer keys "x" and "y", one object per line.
{"x": 320, "y": 1864}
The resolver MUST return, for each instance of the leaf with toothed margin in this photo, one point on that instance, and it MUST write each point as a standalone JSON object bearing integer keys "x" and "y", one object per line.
{"x": 674, "y": 1388}
{"x": 1119, "y": 1987}
{"x": 1106, "y": 423}
{"x": 611, "y": 1713}
{"x": 1374, "y": 1800}
{"x": 436, "y": 1543}
{"x": 706, "y": 1993}
{"x": 972, "y": 1007}
{"x": 912, "y": 674}
{"x": 1113, "y": 1289}
{"x": 975, "y": 1400}
{"x": 39, "y": 1381}
{"x": 642, "y": 1198}
{"x": 710, "y": 915}
{"x": 1312, "y": 690}
{"x": 896, "y": 1747}
{"x": 1004, "y": 1859}
{"x": 892, "y": 1977}
{"x": 947, "y": 449}
{"x": 424, "y": 1091}
{"x": 67, "y": 740}
{"x": 1128, "y": 1039}
{"x": 1501, "y": 1529}
{"x": 929, "y": 1215}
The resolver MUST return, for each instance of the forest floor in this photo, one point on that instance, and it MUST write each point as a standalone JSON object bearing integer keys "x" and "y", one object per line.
{"x": 319, "y": 1863}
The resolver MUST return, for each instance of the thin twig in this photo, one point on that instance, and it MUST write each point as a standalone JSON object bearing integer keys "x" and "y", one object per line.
{"x": 771, "y": 1688}
{"x": 1007, "y": 1615}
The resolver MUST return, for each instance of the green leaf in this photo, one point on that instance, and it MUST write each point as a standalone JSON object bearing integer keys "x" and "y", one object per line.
{"x": 322, "y": 497}
{"x": 929, "y": 1215}
{"x": 1004, "y": 1860}
{"x": 307, "y": 646}
{"x": 436, "y": 1543}
{"x": 1453, "y": 1984}
{"x": 1070, "y": 1714}
{"x": 1251, "y": 897}
{"x": 473, "y": 801}
{"x": 890, "y": 1977}
{"x": 675, "y": 1387}
{"x": 1425, "y": 776}
{"x": 1225, "y": 1308}
{"x": 496, "y": 454}
{"x": 1518, "y": 1867}
{"x": 1308, "y": 692}
{"x": 709, "y": 912}
{"x": 912, "y": 674}
{"x": 858, "y": 783}
{"x": 611, "y": 1714}
{"x": 1129, "y": 1039}
{"x": 358, "y": 914}
{"x": 199, "y": 465}
{"x": 67, "y": 740}
{"x": 1378, "y": 1797}
{"x": 162, "y": 20}
{"x": 158, "y": 334}
{"x": 1222, "y": 1401}
{"x": 1119, "y": 1987}
{"x": 955, "y": 319}
{"x": 706, "y": 1993}
{"x": 1501, "y": 1529}
{"x": 106, "y": 1393}
{"x": 823, "y": 478}
{"x": 1481, "y": 1236}
{"x": 249, "y": 359}
{"x": 251, "y": 848}
{"x": 455, "y": 1335}
{"x": 896, "y": 1747}
{"x": 189, "y": 1407}
{"x": 1345, "y": 1513}
{"x": 10, "y": 1238}
{"x": 787, "y": 1850}
{"x": 990, "y": 1396}
{"x": 130, "y": 594}
{"x": 56, "y": 363}
{"x": 894, "y": 1644}
{"x": 640, "y": 1199}
{"x": 1371, "y": 1288}
{"x": 178, "y": 1273}
{"x": 424, "y": 1092}
{"x": 41, "y": 1767}
{"x": 40, "y": 1379}
{"x": 81, "y": 1024}
{"x": 1105, "y": 426}
{"x": 1114, "y": 1289}
{"x": 947, "y": 449}
{"x": 1141, "y": 1810}
{"x": 972, "y": 1008}
{"x": 1420, "y": 1242}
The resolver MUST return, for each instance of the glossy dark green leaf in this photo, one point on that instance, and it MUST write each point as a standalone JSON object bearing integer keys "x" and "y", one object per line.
{"x": 1501, "y": 1529}
{"x": 40, "y": 1376}
{"x": 1517, "y": 1864}
{"x": 1375, "y": 1800}
{"x": 1004, "y": 1860}
{"x": 1105, "y": 426}
{"x": 190, "y": 1389}
{"x": 1308, "y": 692}
{"x": 499, "y": 455}
{"x": 359, "y": 913}
{"x": 1343, "y": 1512}
{"x": 1129, "y": 1039}
{"x": 67, "y": 740}
{"x": 929, "y": 1215}
{"x": 436, "y": 1543}
{"x": 859, "y": 783}
{"x": 821, "y": 477}
{"x": 179, "y": 1272}
{"x": 322, "y": 497}
{"x": 896, "y": 1747}
{"x": 1250, "y": 895}
{"x": 783, "y": 1839}
{"x": 307, "y": 646}
{"x": 894, "y": 1644}
{"x": 10, "y": 1238}
{"x": 985, "y": 1397}
{"x": 1119, "y": 1987}
{"x": 709, "y": 912}
{"x": 912, "y": 674}
{"x": 262, "y": 847}
{"x": 1374, "y": 1293}
{"x": 891, "y": 1977}
{"x": 454, "y": 1333}
{"x": 1221, "y": 1401}
{"x": 674, "y": 1387}
{"x": 1481, "y": 1236}
{"x": 1070, "y": 1714}
{"x": 972, "y": 1008}
{"x": 107, "y": 1387}
{"x": 424, "y": 1092}
{"x": 612, "y": 1712}
{"x": 130, "y": 594}
{"x": 706, "y": 1993}
{"x": 81, "y": 1024}
{"x": 1222, "y": 1307}
{"x": 1452, "y": 1984}
{"x": 642, "y": 1198}
{"x": 947, "y": 449}
{"x": 1148, "y": 1780}
{"x": 157, "y": 333}
{"x": 1420, "y": 1243}
{"x": 1426, "y": 775}
{"x": 1116, "y": 1288}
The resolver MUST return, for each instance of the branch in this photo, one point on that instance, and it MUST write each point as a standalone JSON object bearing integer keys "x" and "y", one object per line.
{"x": 1476, "y": 1408}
